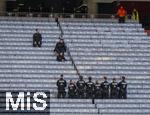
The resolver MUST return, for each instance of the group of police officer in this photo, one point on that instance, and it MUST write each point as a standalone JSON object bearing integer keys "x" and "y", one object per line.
{"x": 91, "y": 90}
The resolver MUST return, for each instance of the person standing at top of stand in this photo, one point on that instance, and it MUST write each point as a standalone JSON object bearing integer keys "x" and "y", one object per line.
{"x": 57, "y": 20}
{"x": 121, "y": 14}
{"x": 135, "y": 15}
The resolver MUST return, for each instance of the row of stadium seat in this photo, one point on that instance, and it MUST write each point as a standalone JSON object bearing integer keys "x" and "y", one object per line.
{"x": 103, "y": 53}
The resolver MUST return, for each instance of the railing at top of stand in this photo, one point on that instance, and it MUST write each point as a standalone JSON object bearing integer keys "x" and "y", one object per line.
{"x": 61, "y": 15}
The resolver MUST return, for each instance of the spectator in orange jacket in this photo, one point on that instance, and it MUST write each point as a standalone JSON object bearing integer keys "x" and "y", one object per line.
{"x": 121, "y": 14}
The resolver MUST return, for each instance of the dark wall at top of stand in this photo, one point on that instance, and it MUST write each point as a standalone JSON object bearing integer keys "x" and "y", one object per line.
{"x": 143, "y": 9}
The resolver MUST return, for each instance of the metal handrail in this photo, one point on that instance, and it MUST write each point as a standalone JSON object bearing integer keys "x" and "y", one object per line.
{"x": 60, "y": 28}
{"x": 73, "y": 63}
{"x": 68, "y": 51}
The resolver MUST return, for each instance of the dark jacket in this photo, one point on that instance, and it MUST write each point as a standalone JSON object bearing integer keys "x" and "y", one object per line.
{"x": 122, "y": 86}
{"x": 113, "y": 86}
{"x": 89, "y": 86}
{"x": 105, "y": 85}
{"x": 60, "y": 47}
{"x": 97, "y": 88}
{"x": 61, "y": 84}
{"x": 37, "y": 36}
{"x": 81, "y": 84}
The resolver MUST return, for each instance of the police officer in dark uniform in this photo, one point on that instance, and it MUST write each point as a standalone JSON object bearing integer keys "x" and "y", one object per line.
{"x": 71, "y": 90}
{"x": 97, "y": 90}
{"x": 81, "y": 87}
{"x": 37, "y": 39}
{"x": 122, "y": 88}
{"x": 114, "y": 89}
{"x": 89, "y": 88}
{"x": 61, "y": 84}
{"x": 105, "y": 88}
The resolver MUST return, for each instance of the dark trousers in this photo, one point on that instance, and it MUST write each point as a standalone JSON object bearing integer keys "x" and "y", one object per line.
{"x": 72, "y": 94}
{"x": 98, "y": 95}
{"x": 122, "y": 94}
{"x": 81, "y": 94}
{"x": 105, "y": 94}
{"x": 114, "y": 94}
{"x": 61, "y": 94}
{"x": 89, "y": 94}
{"x": 37, "y": 42}
{"x": 57, "y": 23}
{"x": 121, "y": 19}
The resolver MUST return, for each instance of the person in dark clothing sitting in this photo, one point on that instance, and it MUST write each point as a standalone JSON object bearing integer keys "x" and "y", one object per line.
{"x": 37, "y": 39}
{"x": 60, "y": 47}
{"x": 60, "y": 57}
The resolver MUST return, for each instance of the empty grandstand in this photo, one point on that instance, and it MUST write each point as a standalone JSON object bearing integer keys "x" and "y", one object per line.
{"x": 95, "y": 47}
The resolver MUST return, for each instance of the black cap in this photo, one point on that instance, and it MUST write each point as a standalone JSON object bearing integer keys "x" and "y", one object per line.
{"x": 61, "y": 76}
{"x": 105, "y": 77}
